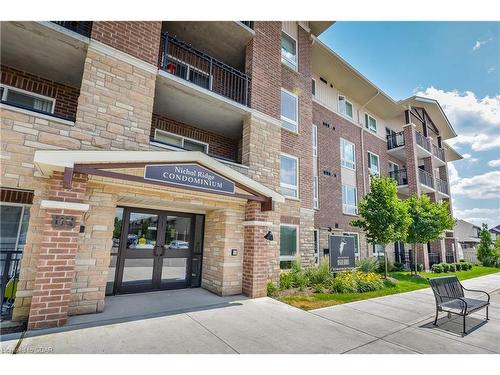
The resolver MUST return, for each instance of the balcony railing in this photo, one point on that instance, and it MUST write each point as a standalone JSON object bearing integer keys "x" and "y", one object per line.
{"x": 422, "y": 141}
{"x": 183, "y": 61}
{"x": 395, "y": 140}
{"x": 248, "y": 24}
{"x": 425, "y": 178}
{"x": 81, "y": 27}
{"x": 442, "y": 186}
{"x": 438, "y": 152}
{"x": 400, "y": 175}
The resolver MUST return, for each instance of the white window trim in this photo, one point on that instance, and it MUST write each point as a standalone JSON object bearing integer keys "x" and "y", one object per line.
{"x": 356, "y": 251}
{"x": 294, "y": 122}
{"x": 345, "y": 205}
{"x": 353, "y": 168}
{"x": 287, "y": 186}
{"x": 7, "y": 88}
{"x": 314, "y": 136}
{"x": 291, "y": 257}
{"x": 182, "y": 138}
{"x": 347, "y": 101}
{"x": 367, "y": 124}
{"x": 378, "y": 253}
{"x": 315, "y": 86}
{"x": 378, "y": 163}
{"x": 286, "y": 62}
{"x": 316, "y": 192}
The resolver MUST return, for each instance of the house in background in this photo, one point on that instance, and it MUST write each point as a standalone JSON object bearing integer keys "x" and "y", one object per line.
{"x": 495, "y": 232}
{"x": 467, "y": 236}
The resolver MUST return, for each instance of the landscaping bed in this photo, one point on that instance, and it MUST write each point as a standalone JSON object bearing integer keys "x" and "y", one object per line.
{"x": 306, "y": 295}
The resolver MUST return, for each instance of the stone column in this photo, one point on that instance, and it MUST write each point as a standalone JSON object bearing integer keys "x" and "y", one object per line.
{"x": 56, "y": 262}
{"x": 411, "y": 159}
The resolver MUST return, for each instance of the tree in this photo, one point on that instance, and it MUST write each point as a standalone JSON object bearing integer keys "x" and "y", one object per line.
{"x": 486, "y": 251}
{"x": 428, "y": 221}
{"x": 383, "y": 216}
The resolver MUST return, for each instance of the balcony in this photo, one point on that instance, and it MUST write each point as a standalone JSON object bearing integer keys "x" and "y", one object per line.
{"x": 442, "y": 187}
{"x": 396, "y": 143}
{"x": 81, "y": 27}
{"x": 395, "y": 140}
{"x": 200, "y": 90}
{"x": 439, "y": 154}
{"x": 426, "y": 181}
{"x": 422, "y": 141}
{"x": 401, "y": 176}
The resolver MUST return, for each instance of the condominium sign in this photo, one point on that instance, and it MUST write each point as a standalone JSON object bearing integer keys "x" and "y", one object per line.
{"x": 189, "y": 175}
{"x": 342, "y": 253}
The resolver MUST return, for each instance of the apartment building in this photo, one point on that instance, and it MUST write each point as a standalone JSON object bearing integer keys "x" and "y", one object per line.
{"x": 141, "y": 156}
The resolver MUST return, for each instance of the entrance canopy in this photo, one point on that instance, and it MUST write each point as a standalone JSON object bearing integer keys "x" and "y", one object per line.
{"x": 189, "y": 170}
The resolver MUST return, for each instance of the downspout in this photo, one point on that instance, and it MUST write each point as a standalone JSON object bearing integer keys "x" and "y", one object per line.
{"x": 362, "y": 134}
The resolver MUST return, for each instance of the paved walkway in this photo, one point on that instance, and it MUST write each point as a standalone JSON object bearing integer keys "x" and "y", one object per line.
{"x": 393, "y": 324}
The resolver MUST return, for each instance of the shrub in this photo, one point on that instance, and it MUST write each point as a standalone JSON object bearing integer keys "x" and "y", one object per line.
{"x": 453, "y": 268}
{"x": 271, "y": 289}
{"x": 319, "y": 288}
{"x": 299, "y": 280}
{"x": 446, "y": 267}
{"x": 352, "y": 282}
{"x": 458, "y": 266}
{"x": 286, "y": 279}
{"x": 437, "y": 268}
{"x": 367, "y": 282}
{"x": 381, "y": 265}
{"x": 398, "y": 267}
{"x": 420, "y": 267}
{"x": 368, "y": 265}
{"x": 319, "y": 275}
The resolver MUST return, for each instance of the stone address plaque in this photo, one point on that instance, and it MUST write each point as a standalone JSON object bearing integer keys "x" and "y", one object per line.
{"x": 63, "y": 221}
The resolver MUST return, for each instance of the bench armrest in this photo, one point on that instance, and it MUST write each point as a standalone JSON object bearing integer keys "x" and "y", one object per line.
{"x": 463, "y": 302}
{"x": 478, "y": 291}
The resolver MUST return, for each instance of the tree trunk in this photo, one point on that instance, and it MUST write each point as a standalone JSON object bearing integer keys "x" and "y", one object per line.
{"x": 385, "y": 260}
{"x": 415, "y": 258}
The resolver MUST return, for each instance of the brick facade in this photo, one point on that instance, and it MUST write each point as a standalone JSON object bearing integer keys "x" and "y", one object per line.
{"x": 66, "y": 97}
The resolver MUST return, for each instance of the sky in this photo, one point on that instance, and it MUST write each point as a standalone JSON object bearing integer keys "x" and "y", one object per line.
{"x": 456, "y": 63}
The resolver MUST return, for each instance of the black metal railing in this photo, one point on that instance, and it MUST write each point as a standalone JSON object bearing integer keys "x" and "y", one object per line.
{"x": 425, "y": 178}
{"x": 400, "y": 175}
{"x": 10, "y": 264}
{"x": 248, "y": 24}
{"x": 442, "y": 186}
{"x": 182, "y": 60}
{"x": 422, "y": 141}
{"x": 81, "y": 27}
{"x": 438, "y": 152}
{"x": 31, "y": 109}
{"x": 395, "y": 140}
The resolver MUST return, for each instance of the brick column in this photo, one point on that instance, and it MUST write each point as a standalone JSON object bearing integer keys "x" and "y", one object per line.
{"x": 258, "y": 252}
{"x": 56, "y": 261}
{"x": 411, "y": 158}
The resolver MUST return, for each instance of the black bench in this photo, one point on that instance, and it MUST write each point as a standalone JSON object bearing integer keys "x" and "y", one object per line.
{"x": 450, "y": 298}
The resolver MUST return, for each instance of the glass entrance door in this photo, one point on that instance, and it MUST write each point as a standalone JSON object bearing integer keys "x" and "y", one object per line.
{"x": 155, "y": 251}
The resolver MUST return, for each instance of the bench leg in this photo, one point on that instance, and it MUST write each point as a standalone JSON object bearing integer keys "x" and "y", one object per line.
{"x": 436, "y": 319}
{"x": 487, "y": 318}
{"x": 464, "y": 327}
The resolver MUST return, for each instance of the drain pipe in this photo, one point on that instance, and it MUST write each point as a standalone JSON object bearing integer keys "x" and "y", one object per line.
{"x": 362, "y": 135}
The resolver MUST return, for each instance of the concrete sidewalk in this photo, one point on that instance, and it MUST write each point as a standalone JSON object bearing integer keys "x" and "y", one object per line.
{"x": 393, "y": 324}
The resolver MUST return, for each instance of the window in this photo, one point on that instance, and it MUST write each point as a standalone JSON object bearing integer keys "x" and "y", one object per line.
{"x": 393, "y": 167}
{"x": 179, "y": 141}
{"x": 314, "y": 87}
{"x": 316, "y": 192}
{"x": 288, "y": 244}
{"x": 315, "y": 140}
{"x": 349, "y": 200}
{"x": 27, "y": 100}
{"x": 347, "y": 154}
{"x": 289, "y": 110}
{"x": 345, "y": 106}
{"x": 356, "y": 241}
{"x": 289, "y": 176}
{"x": 378, "y": 250}
{"x": 373, "y": 164}
{"x": 288, "y": 51}
{"x": 370, "y": 123}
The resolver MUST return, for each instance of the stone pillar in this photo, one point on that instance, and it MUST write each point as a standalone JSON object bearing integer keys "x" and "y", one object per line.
{"x": 411, "y": 158}
{"x": 56, "y": 261}
{"x": 223, "y": 271}
{"x": 306, "y": 237}
{"x": 260, "y": 258}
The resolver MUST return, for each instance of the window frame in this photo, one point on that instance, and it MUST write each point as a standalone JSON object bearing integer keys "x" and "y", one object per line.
{"x": 343, "y": 161}
{"x": 367, "y": 122}
{"x": 345, "y": 205}
{"x": 377, "y": 253}
{"x": 285, "y": 258}
{"x": 346, "y": 101}
{"x": 7, "y": 88}
{"x": 288, "y": 186}
{"x": 292, "y": 65}
{"x": 370, "y": 154}
{"x": 284, "y": 118}
{"x": 182, "y": 138}
{"x": 356, "y": 250}
{"x": 389, "y": 164}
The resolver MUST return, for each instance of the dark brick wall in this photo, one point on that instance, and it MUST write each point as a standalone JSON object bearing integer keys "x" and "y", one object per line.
{"x": 66, "y": 96}
{"x": 140, "y": 39}
{"x": 218, "y": 145}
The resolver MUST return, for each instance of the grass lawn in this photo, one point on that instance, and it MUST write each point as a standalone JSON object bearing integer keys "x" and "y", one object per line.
{"x": 406, "y": 283}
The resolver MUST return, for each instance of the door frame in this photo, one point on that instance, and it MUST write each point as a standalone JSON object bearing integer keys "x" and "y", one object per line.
{"x": 157, "y": 259}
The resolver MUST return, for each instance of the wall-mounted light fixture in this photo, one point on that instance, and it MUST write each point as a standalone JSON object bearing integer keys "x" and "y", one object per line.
{"x": 269, "y": 236}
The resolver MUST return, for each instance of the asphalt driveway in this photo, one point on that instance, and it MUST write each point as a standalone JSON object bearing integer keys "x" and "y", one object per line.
{"x": 393, "y": 324}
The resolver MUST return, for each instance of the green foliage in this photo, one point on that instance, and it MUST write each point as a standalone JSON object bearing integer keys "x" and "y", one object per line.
{"x": 446, "y": 267}
{"x": 420, "y": 267}
{"x": 381, "y": 265}
{"x": 286, "y": 279}
{"x": 437, "y": 268}
{"x": 319, "y": 275}
{"x": 486, "y": 252}
{"x": 398, "y": 267}
{"x": 271, "y": 289}
{"x": 356, "y": 282}
{"x": 453, "y": 268}
{"x": 497, "y": 252}
{"x": 370, "y": 264}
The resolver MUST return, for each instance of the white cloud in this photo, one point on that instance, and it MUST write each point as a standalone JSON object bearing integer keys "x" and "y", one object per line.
{"x": 470, "y": 159}
{"x": 476, "y": 120}
{"x": 484, "y": 186}
{"x": 478, "y": 216}
{"x": 492, "y": 69}
{"x": 494, "y": 163}
{"x": 480, "y": 43}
